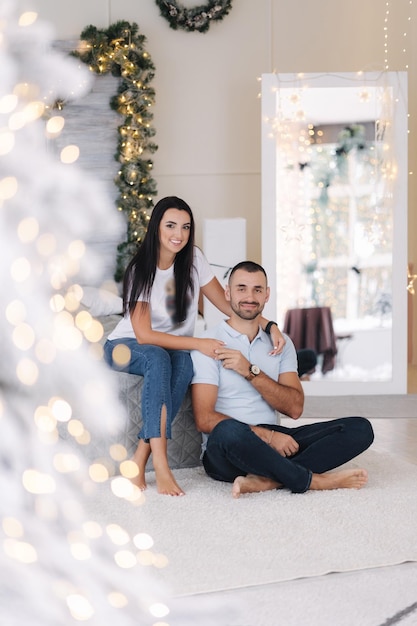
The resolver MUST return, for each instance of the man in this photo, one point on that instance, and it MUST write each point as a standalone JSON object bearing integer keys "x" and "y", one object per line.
{"x": 235, "y": 398}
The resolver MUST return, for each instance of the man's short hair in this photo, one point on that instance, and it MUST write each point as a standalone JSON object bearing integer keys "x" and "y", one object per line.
{"x": 247, "y": 266}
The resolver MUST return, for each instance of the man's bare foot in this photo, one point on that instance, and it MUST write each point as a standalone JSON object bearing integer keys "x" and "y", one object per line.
{"x": 344, "y": 479}
{"x": 166, "y": 483}
{"x": 251, "y": 484}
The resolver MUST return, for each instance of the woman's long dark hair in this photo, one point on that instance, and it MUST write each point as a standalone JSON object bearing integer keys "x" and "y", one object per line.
{"x": 140, "y": 273}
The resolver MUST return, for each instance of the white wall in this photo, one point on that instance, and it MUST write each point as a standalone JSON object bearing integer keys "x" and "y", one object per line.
{"x": 207, "y": 112}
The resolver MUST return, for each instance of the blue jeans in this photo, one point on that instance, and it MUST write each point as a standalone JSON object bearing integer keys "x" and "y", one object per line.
{"x": 166, "y": 377}
{"x": 234, "y": 450}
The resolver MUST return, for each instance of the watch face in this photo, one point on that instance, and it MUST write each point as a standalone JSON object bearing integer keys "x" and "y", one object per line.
{"x": 254, "y": 369}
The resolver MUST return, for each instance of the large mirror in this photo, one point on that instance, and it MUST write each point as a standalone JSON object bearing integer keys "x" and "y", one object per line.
{"x": 334, "y": 224}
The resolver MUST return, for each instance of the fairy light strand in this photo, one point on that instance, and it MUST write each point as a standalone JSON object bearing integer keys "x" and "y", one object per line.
{"x": 404, "y": 35}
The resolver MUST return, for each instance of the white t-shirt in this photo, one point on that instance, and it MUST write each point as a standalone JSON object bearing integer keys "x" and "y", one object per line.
{"x": 162, "y": 301}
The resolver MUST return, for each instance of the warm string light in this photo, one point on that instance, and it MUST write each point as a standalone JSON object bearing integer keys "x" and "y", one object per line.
{"x": 282, "y": 130}
{"x": 411, "y": 277}
{"x": 119, "y": 49}
{"x": 306, "y": 238}
{"x": 404, "y": 45}
{"x": 411, "y": 280}
{"x": 386, "y": 35}
{"x": 404, "y": 35}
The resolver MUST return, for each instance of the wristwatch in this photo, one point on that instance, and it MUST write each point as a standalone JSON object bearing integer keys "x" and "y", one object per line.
{"x": 254, "y": 370}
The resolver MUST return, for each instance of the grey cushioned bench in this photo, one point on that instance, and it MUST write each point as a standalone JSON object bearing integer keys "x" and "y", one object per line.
{"x": 184, "y": 448}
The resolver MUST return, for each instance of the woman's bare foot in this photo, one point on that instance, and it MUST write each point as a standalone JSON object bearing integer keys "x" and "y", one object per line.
{"x": 252, "y": 484}
{"x": 166, "y": 483}
{"x": 141, "y": 457}
{"x": 344, "y": 479}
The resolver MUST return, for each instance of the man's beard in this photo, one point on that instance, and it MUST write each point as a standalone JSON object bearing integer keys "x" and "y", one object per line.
{"x": 244, "y": 314}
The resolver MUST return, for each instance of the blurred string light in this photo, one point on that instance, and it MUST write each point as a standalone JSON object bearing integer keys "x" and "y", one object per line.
{"x": 55, "y": 126}
{"x": 411, "y": 280}
{"x": 52, "y": 386}
{"x": 28, "y": 18}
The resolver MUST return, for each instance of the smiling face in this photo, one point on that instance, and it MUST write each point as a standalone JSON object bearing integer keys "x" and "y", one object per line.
{"x": 174, "y": 231}
{"x": 247, "y": 293}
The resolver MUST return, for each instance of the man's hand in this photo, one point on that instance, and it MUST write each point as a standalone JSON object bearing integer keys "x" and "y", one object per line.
{"x": 233, "y": 360}
{"x": 284, "y": 395}
{"x": 284, "y": 444}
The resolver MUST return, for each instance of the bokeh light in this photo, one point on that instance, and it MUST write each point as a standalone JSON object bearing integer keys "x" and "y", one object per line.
{"x": 70, "y": 154}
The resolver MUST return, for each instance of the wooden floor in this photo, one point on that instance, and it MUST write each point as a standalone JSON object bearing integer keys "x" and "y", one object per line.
{"x": 396, "y": 436}
{"x": 399, "y": 436}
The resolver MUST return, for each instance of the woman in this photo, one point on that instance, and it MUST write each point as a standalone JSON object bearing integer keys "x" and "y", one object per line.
{"x": 161, "y": 290}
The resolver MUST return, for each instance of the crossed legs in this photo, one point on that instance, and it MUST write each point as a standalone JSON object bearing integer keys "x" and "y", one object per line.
{"x": 236, "y": 454}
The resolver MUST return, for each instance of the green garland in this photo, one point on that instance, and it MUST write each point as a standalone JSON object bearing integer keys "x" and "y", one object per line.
{"x": 196, "y": 18}
{"x": 120, "y": 51}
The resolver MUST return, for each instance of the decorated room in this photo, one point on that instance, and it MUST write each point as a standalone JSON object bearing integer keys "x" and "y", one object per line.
{"x": 208, "y": 401}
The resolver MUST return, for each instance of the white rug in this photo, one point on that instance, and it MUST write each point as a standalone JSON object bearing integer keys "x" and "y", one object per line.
{"x": 214, "y": 542}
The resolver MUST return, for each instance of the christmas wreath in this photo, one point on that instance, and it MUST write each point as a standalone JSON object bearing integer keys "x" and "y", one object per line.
{"x": 195, "y": 18}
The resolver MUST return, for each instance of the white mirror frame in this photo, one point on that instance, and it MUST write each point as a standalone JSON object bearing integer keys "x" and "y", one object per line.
{"x": 398, "y": 82}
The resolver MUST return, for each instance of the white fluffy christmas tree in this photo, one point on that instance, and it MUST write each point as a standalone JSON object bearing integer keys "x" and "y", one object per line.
{"x": 57, "y": 566}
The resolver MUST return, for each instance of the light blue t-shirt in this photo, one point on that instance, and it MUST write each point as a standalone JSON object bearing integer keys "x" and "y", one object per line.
{"x": 237, "y": 397}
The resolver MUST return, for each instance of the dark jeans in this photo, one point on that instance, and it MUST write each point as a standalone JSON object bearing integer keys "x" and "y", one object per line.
{"x": 234, "y": 450}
